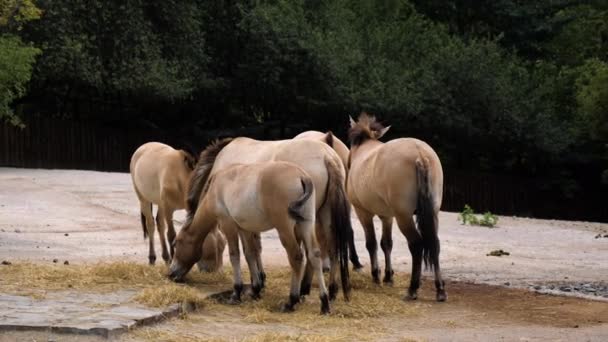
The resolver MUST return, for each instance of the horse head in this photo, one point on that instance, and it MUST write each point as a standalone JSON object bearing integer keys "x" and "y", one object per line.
{"x": 365, "y": 128}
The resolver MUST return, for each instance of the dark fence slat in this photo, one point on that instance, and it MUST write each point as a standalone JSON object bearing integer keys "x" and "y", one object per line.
{"x": 54, "y": 143}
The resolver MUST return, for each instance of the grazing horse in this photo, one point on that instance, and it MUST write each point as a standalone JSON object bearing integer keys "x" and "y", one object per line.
{"x": 332, "y": 221}
{"x": 255, "y": 198}
{"x": 343, "y": 153}
{"x": 396, "y": 179}
{"x": 160, "y": 176}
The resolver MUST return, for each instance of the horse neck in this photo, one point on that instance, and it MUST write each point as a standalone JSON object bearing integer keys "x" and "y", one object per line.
{"x": 205, "y": 220}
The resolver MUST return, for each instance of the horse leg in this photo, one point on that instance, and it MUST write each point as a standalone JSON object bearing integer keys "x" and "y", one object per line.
{"x": 387, "y": 246}
{"x": 414, "y": 240}
{"x": 147, "y": 219}
{"x": 257, "y": 239}
{"x": 305, "y": 231}
{"x": 441, "y": 294}
{"x": 160, "y": 225}
{"x": 249, "y": 246}
{"x": 354, "y": 257}
{"x": 323, "y": 230}
{"x": 367, "y": 221}
{"x": 309, "y": 271}
{"x": 230, "y": 230}
{"x": 170, "y": 231}
{"x": 296, "y": 261}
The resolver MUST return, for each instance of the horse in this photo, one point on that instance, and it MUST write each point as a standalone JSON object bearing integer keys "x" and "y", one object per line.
{"x": 333, "y": 226}
{"x": 255, "y": 198}
{"x": 343, "y": 153}
{"x": 213, "y": 252}
{"x": 396, "y": 179}
{"x": 160, "y": 176}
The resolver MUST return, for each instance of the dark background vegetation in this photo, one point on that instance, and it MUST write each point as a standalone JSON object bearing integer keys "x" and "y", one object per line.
{"x": 513, "y": 94}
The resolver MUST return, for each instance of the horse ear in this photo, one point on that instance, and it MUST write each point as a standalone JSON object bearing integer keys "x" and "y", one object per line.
{"x": 188, "y": 160}
{"x": 382, "y": 132}
{"x": 352, "y": 122}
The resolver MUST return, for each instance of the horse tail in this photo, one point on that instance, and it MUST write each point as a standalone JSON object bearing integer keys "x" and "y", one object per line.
{"x": 295, "y": 208}
{"x": 201, "y": 172}
{"x": 340, "y": 220}
{"x": 425, "y": 217}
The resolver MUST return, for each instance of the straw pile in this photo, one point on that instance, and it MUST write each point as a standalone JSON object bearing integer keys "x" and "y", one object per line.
{"x": 349, "y": 320}
{"x": 36, "y": 279}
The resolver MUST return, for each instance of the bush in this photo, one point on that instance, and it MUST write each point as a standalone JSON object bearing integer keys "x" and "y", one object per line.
{"x": 486, "y": 220}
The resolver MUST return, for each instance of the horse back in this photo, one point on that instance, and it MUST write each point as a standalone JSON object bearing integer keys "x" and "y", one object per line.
{"x": 308, "y": 154}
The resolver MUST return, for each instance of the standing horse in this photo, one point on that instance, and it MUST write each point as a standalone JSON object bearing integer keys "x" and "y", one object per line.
{"x": 333, "y": 227}
{"x": 398, "y": 179}
{"x": 160, "y": 176}
{"x": 343, "y": 153}
{"x": 255, "y": 198}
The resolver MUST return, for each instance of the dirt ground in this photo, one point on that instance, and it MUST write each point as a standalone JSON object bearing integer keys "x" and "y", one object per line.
{"x": 84, "y": 216}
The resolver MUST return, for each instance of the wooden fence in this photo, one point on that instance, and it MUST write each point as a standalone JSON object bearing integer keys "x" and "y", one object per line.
{"x": 62, "y": 144}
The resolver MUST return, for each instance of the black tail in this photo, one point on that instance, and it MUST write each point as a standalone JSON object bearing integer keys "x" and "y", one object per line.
{"x": 295, "y": 207}
{"x": 201, "y": 172}
{"x": 354, "y": 257}
{"x": 426, "y": 217}
{"x": 143, "y": 223}
{"x": 340, "y": 221}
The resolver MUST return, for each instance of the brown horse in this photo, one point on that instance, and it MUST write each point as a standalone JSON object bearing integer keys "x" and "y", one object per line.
{"x": 160, "y": 176}
{"x": 396, "y": 180}
{"x": 254, "y": 198}
{"x": 343, "y": 153}
{"x": 333, "y": 227}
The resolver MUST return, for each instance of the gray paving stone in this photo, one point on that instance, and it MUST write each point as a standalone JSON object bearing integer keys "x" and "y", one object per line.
{"x": 105, "y": 314}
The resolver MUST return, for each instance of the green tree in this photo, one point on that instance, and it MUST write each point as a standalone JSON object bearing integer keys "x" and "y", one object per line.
{"x": 16, "y": 58}
{"x": 138, "y": 53}
{"x": 592, "y": 99}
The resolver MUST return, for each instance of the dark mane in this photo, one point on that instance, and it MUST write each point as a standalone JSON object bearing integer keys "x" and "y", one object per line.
{"x": 201, "y": 172}
{"x": 366, "y": 128}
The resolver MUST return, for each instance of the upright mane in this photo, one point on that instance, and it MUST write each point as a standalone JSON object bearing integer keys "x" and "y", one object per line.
{"x": 365, "y": 128}
{"x": 201, "y": 172}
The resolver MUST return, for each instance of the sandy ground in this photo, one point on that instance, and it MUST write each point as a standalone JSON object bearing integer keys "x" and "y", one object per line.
{"x": 84, "y": 216}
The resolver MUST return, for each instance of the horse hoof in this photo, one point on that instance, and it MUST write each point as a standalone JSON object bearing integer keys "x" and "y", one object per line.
{"x": 325, "y": 269}
{"x": 152, "y": 260}
{"x": 376, "y": 276}
{"x": 287, "y": 308}
{"x": 256, "y": 296}
{"x": 411, "y": 296}
{"x": 234, "y": 301}
{"x": 324, "y": 304}
{"x": 442, "y": 296}
{"x": 388, "y": 282}
{"x": 358, "y": 268}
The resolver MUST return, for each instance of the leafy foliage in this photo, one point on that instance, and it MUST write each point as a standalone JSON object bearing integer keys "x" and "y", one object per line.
{"x": 16, "y": 58}
{"x": 468, "y": 216}
{"x": 505, "y": 86}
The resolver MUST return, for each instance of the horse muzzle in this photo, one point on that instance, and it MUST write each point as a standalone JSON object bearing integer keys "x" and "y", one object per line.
{"x": 177, "y": 272}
